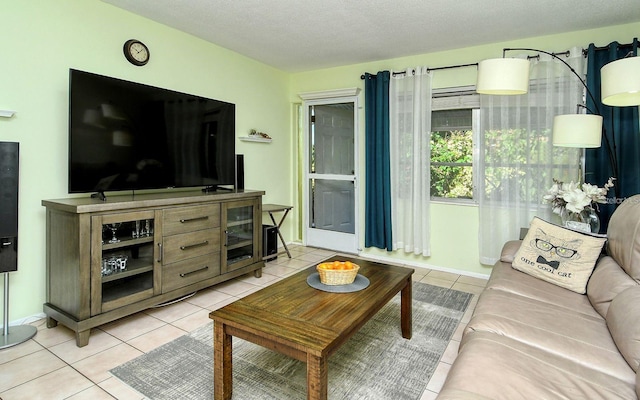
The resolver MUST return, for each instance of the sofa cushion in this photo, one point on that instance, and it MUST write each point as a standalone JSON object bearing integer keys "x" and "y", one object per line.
{"x": 607, "y": 281}
{"x": 499, "y": 367}
{"x": 574, "y": 336}
{"x": 558, "y": 255}
{"x": 507, "y": 279}
{"x": 622, "y": 320}
{"x": 623, "y": 236}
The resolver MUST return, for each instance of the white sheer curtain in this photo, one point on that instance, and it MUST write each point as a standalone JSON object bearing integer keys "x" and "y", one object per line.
{"x": 409, "y": 132}
{"x": 518, "y": 159}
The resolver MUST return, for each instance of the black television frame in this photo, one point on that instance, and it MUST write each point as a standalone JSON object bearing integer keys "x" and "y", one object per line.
{"x": 119, "y": 129}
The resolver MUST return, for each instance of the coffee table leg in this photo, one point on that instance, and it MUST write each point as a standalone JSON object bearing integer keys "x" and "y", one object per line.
{"x": 222, "y": 366}
{"x": 406, "y": 316}
{"x": 317, "y": 377}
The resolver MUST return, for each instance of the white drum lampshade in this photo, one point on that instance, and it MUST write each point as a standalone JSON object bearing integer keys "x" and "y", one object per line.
{"x": 577, "y": 130}
{"x": 503, "y": 76}
{"x": 620, "y": 84}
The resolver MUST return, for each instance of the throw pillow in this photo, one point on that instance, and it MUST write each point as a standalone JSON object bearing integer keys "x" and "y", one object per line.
{"x": 558, "y": 255}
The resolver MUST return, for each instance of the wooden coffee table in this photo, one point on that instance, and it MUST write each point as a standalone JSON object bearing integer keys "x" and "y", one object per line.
{"x": 304, "y": 323}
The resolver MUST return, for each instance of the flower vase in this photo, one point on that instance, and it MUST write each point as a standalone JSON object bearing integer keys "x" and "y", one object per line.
{"x": 587, "y": 220}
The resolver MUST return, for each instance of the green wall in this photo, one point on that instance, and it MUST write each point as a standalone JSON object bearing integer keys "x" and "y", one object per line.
{"x": 43, "y": 39}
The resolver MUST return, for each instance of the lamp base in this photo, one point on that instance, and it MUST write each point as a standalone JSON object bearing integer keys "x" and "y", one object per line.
{"x": 16, "y": 335}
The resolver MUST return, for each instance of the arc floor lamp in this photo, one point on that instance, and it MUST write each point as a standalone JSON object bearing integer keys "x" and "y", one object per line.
{"x": 620, "y": 81}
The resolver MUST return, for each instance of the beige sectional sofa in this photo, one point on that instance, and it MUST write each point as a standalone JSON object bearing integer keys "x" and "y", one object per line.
{"x": 529, "y": 339}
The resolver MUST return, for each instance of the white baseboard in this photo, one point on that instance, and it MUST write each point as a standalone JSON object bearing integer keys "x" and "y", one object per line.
{"x": 27, "y": 320}
{"x": 414, "y": 264}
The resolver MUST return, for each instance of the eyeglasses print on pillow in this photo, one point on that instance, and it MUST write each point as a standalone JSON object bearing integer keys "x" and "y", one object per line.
{"x": 560, "y": 251}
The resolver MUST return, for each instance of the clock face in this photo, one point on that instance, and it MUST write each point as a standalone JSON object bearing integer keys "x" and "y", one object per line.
{"x": 136, "y": 52}
{"x": 139, "y": 52}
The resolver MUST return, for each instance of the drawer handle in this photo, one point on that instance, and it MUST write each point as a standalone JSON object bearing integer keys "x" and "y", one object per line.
{"x": 191, "y": 246}
{"x": 184, "y": 275}
{"x": 182, "y": 221}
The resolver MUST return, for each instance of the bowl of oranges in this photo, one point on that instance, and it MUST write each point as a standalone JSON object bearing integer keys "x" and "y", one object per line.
{"x": 337, "y": 272}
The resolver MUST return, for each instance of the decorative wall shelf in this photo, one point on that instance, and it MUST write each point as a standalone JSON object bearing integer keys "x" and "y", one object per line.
{"x": 6, "y": 113}
{"x": 255, "y": 139}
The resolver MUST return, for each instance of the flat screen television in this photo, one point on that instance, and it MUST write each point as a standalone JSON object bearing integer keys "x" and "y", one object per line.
{"x": 129, "y": 136}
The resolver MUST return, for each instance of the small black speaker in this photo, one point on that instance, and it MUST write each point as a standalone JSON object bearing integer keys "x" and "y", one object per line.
{"x": 269, "y": 242}
{"x": 9, "y": 164}
{"x": 239, "y": 172}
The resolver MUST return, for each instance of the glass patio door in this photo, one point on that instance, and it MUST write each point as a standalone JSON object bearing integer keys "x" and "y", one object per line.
{"x": 330, "y": 175}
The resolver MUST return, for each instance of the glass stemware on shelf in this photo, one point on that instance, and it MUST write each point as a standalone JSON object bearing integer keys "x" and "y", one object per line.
{"x": 136, "y": 230}
{"x": 114, "y": 228}
{"x": 141, "y": 228}
{"x": 147, "y": 227}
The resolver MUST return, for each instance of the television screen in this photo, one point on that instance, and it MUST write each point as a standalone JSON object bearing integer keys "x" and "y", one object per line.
{"x": 128, "y": 136}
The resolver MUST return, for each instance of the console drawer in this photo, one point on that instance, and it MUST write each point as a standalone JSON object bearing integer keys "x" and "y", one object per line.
{"x": 191, "y": 271}
{"x": 188, "y": 219}
{"x": 189, "y": 245}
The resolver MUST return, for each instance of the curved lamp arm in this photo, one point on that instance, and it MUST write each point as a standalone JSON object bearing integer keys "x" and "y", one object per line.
{"x": 554, "y": 55}
{"x": 611, "y": 145}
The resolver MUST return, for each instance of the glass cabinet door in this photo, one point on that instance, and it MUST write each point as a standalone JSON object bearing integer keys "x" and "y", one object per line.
{"x": 240, "y": 237}
{"x": 122, "y": 270}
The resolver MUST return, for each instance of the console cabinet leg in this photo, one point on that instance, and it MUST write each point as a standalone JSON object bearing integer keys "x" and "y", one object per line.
{"x": 258, "y": 273}
{"x": 51, "y": 323}
{"x": 82, "y": 338}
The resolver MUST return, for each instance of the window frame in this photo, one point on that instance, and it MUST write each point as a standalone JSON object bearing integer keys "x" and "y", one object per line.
{"x": 457, "y": 98}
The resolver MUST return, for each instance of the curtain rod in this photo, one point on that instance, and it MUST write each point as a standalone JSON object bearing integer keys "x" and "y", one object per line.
{"x": 585, "y": 52}
{"x": 429, "y": 69}
{"x": 564, "y": 53}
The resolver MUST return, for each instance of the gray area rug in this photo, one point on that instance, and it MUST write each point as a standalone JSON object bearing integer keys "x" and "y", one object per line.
{"x": 376, "y": 363}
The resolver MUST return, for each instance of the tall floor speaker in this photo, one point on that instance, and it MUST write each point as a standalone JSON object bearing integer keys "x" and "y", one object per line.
{"x": 9, "y": 163}
{"x": 239, "y": 172}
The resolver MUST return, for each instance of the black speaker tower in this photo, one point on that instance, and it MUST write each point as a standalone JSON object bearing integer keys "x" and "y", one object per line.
{"x": 9, "y": 163}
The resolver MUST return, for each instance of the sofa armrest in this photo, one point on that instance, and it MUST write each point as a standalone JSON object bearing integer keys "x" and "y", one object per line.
{"x": 509, "y": 250}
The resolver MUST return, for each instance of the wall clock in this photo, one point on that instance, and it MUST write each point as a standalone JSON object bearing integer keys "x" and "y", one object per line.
{"x": 136, "y": 52}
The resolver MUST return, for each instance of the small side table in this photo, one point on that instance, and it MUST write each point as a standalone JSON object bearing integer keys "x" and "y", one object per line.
{"x": 273, "y": 208}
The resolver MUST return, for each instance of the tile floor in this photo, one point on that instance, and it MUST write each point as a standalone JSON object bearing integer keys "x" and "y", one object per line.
{"x": 51, "y": 367}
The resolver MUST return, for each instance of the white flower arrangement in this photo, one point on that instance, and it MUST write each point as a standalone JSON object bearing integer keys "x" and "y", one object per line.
{"x": 575, "y": 197}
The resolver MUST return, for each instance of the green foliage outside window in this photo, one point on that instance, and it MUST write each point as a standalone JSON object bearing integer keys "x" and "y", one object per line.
{"x": 527, "y": 153}
{"x": 512, "y": 158}
{"x": 451, "y": 164}
{"x": 452, "y": 157}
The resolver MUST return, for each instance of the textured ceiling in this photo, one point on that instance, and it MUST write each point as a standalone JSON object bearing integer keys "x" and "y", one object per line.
{"x": 300, "y": 35}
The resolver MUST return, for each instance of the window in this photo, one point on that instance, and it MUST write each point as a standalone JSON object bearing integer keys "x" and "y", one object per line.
{"x": 454, "y": 127}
